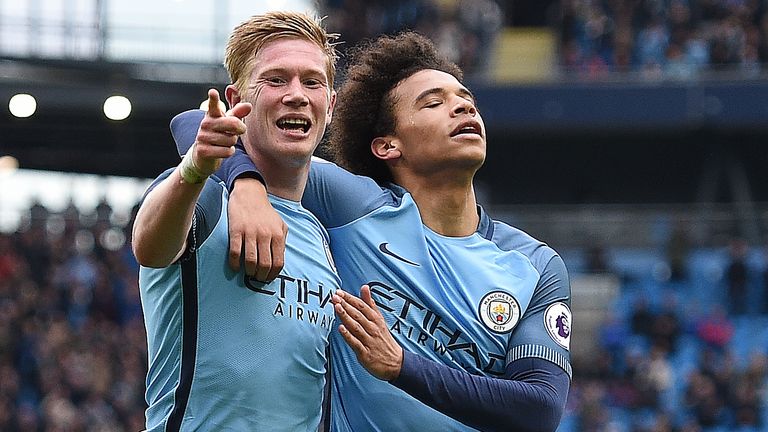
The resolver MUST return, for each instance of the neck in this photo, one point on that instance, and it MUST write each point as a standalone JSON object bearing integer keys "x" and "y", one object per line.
{"x": 285, "y": 180}
{"x": 447, "y": 208}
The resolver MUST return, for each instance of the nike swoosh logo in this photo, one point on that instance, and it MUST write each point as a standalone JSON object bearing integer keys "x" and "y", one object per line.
{"x": 385, "y": 250}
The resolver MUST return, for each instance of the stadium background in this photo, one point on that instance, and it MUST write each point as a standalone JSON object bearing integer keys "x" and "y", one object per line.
{"x": 628, "y": 134}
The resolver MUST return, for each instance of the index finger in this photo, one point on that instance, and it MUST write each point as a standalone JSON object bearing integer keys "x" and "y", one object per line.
{"x": 214, "y": 104}
{"x": 367, "y": 297}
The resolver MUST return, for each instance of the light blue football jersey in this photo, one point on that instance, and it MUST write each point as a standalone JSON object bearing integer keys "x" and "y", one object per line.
{"x": 473, "y": 303}
{"x": 228, "y": 353}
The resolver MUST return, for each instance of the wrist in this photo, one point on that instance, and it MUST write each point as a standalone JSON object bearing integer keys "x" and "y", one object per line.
{"x": 252, "y": 185}
{"x": 397, "y": 367}
{"x": 189, "y": 172}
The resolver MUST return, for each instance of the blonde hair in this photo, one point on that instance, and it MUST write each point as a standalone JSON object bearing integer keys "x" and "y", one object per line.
{"x": 248, "y": 38}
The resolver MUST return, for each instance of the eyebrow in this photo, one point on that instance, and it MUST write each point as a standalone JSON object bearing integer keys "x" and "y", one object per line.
{"x": 285, "y": 70}
{"x": 440, "y": 91}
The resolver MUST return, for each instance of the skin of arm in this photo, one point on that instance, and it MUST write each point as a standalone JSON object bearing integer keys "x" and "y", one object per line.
{"x": 165, "y": 216}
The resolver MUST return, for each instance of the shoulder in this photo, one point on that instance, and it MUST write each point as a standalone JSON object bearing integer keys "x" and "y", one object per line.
{"x": 159, "y": 179}
{"x": 553, "y": 273}
{"x": 554, "y": 283}
{"x": 508, "y": 238}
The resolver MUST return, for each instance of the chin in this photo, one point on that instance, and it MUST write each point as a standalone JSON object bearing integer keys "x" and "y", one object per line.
{"x": 476, "y": 155}
{"x": 299, "y": 152}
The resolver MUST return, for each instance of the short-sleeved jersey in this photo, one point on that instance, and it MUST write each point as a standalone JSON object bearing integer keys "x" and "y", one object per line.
{"x": 229, "y": 353}
{"x": 474, "y": 303}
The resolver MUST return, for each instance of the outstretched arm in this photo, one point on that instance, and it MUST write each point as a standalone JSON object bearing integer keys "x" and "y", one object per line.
{"x": 256, "y": 231}
{"x": 165, "y": 216}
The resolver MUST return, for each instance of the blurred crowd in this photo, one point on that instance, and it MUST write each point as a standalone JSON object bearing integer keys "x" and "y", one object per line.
{"x": 643, "y": 382}
{"x": 72, "y": 343}
{"x": 662, "y": 39}
{"x": 681, "y": 350}
{"x": 655, "y": 39}
{"x": 464, "y": 30}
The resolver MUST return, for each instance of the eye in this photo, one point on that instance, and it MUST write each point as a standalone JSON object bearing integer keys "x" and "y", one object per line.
{"x": 314, "y": 83}
{"x": 433, "y": 103}
{"x": 275, "y": 81}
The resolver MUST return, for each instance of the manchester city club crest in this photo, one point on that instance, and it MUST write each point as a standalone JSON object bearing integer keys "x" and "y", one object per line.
{"x": 557, "y": 320}
{"x": 499, "y": 311}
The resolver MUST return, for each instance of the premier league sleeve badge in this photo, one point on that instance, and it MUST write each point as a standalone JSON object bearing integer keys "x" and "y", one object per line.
{"x": 557, "y": 320}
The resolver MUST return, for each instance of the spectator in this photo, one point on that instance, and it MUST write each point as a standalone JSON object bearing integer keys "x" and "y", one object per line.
{"x": 678, "y": 248}
{"x": 665, "y": 327}
{"x": 736, "y": 275}
{"x": 703, "y": 400}
{"x": 715, "y": 329}
{"x": 642, "y": 317}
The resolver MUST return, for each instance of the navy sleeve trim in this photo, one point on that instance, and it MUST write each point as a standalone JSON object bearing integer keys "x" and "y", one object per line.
{"x": 541, "y": 352}
{"x": 238, "y": 166}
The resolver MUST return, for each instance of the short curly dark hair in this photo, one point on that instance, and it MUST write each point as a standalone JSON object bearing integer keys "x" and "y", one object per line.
{"x": 365, "y": 106}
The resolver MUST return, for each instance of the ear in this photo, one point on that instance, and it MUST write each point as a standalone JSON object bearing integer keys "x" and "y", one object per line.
{"x": 232, "y": 95}
{"x": 385, "y": 148}
{"x": 331, "y": 105}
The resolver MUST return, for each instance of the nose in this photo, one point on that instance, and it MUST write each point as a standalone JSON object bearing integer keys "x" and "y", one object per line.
{"x": 294, "y": 95}
{"x": 464, "y": 106}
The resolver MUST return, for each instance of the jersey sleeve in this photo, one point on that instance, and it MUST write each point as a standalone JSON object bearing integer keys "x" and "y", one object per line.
{"x": 545, "y": 329}
{"x": 184, "y": 127}
{"x": 207, "y": 213}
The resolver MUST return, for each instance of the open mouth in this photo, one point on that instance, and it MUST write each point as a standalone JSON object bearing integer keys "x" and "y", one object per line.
{"x": 468, "y": 127}
{"x": 294, "y": 124}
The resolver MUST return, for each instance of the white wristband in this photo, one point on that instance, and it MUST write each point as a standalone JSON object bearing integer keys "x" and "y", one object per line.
{"x": 189, "y": 172}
